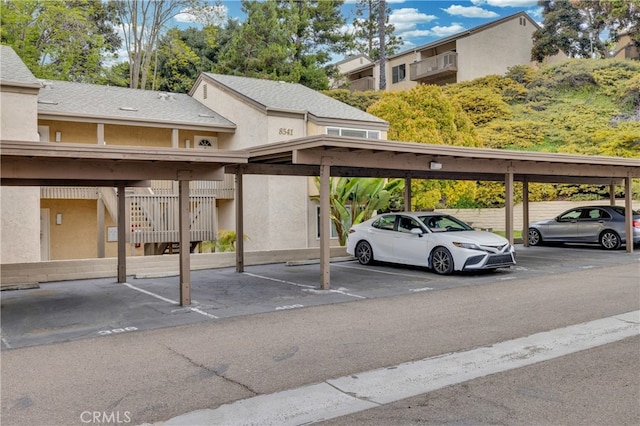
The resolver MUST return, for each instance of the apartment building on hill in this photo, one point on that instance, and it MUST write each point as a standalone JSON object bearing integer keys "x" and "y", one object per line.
{"x": 487, "y": 49}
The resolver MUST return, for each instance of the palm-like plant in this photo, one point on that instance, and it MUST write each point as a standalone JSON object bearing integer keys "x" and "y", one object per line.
{"x": 354, "y": 200}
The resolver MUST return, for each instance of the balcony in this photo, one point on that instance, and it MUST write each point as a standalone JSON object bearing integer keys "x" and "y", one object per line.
{"x": 362, "y": 84}
{"x": 434, "y": 68}
{"x": 155, "y": 218}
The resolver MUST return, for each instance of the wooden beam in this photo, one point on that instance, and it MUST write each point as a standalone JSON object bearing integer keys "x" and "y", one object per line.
{"x": 239, "y": 221}
{"x": 185, "y": 243}
{"x": 122, "y": 234}
{"x": 508, "y": 201}
{"x": 325, "y": 227}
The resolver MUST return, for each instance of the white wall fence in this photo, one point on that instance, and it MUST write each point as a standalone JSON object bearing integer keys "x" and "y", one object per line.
{"x": 27, "y": 275}
{"x": 494, "y": 219}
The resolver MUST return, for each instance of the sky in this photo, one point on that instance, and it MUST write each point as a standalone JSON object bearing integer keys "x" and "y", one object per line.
{"x": 421, "y": 22}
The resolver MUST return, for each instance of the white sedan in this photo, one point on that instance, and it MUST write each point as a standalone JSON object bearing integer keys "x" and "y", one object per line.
{"x": 437, "y": 241}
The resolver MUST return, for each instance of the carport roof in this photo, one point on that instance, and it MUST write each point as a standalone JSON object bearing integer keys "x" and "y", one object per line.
{"x": 37, "y": 163}
{"x": 368, "y": 158}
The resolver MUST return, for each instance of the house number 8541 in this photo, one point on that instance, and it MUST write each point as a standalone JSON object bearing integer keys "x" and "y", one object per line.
{"x": 285, "y": 131}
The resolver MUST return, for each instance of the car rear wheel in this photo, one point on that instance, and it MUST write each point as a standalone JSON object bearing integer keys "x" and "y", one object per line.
{"x": 441, "y": 261}
{"x": 610, "y": 240}
{"x": 535, "y": 239}
{"x": 364, "y": 253}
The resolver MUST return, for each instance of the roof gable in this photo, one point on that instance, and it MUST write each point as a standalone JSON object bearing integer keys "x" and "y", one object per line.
{"x": 13, "y": 71}
{"x": 291, "y": 97}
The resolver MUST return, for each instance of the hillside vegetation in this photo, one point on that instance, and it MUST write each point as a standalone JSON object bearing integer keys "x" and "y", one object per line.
{"x": 579, "y": 106}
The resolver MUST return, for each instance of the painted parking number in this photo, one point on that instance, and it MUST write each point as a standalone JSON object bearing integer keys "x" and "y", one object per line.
{"x": 116, "y": 331}
{"x": 281, "y": 308}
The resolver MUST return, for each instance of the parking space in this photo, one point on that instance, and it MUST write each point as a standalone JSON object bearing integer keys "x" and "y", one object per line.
{"x": 72, "y": 310}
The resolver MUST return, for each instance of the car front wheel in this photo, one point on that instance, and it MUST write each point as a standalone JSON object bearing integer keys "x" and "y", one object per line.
{"x": 442, "y": 261}
{"x": 535, "y": 239}
{"x": 364, "y": 253}
{"x": 610, "y": 240}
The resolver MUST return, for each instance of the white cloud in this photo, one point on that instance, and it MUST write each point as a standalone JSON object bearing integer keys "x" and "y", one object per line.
{"x": 454, "y": 28}
{"x": 470, "y": 12}
{"x": 406, "y": 19}
{"x": 208, "y": 14}
{"x": 506, "y": 3}
{"x": 415, "y": 33}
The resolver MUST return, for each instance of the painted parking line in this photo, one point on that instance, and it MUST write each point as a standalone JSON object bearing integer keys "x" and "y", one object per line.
{"x": 308, "y": 288}
{"x": 422, "y": 277}
{"x": 4, "y": 341}
{"x": 173, "y": 302}
{"x": 278, "y": 280}
{"x": 357, "y": 392}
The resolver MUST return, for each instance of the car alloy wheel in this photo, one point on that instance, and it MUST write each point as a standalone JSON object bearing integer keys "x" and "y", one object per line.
{"x": 535, "y": 238}
{"x": 364, "y": 253}
{"x": 442, "y": 261}
{"x": 610, "y": 240}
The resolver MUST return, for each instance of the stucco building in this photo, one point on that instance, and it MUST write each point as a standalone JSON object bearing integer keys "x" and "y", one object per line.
{"x": 491, "y": 48}
{"x": 220, "y": 112}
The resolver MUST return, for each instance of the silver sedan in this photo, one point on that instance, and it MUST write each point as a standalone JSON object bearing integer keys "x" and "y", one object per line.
{"x": 604, "y": 225}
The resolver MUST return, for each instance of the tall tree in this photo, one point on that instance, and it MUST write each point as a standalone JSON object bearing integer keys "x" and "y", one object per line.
{"x": 141, "y": 22}
{"x": 382, "y": 20}
{"x": 60, "y": 40}
{"x": 584, "y": 28}
{"x": 561, "y": 31}
{"x": 370, "y": 14}
{"x": 288, "y": 40}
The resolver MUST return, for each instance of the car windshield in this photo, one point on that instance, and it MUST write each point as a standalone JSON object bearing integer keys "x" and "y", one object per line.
{"x": 444, "y": 223}
{"x": 620, "y": 210}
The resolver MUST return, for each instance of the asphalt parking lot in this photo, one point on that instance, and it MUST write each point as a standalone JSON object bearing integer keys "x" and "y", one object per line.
{"x": 72, "y": 310}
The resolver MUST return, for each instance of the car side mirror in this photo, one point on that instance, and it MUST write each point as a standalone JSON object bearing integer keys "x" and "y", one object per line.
{"x": 417, "y": 231}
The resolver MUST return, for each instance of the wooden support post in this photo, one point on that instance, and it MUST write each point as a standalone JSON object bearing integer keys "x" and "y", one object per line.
{"x": 525, "y": 212}
{"x": 239, "y": 222}
{"x": 101, "y": 225}
{"x": 612, "y": 194}
{"x": 407, "y": 194}
{"x": 122, "y": 234}
{"x": 628, "y": 217}
{"x": 325, "y": 226}
{"x": 185, "y": 243}
{"x": 508, "y": 199}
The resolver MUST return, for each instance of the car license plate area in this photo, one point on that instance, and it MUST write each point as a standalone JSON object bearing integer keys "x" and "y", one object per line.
{"x": 500, "y": 259}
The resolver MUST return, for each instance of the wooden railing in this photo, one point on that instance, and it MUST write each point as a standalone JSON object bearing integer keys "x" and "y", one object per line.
{"x": 223, "y": 189}
{"x": 155, "y": 218}
{"x": 362, "y": 84}
{"x": 69, "y": 192}
{"x": 445, "y": 62}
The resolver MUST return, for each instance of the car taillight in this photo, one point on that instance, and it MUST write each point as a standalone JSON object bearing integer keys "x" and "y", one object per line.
{"x": 636, "y": 223}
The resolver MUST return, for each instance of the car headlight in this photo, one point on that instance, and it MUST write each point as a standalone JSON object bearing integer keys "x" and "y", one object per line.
{"x": 471, "y": 246}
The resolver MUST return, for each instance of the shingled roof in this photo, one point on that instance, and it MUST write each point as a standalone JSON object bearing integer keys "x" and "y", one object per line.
{"x": 158, "y": 109}
{"x": 291, "y": 97}
{"x": 13, "y": 72}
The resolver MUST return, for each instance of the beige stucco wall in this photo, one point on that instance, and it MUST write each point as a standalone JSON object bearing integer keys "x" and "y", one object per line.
{"x": 406, "y": 83}
{"x": 509, "y": 44}
{"x": 275, "y": 207}
{"x": 251, "y": 123}
{"x": 19, "y": 206}
{"x": 80, "y": 132}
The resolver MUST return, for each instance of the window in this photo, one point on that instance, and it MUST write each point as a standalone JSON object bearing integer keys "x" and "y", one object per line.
{"x": 205, "y": 142}
{"x": 333, "y": 232}
{"x": 406, "y": 224}
{"x": 385, "y": 222}
{"x": 398, "y": 73}
{"x": 354, "y": 133}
